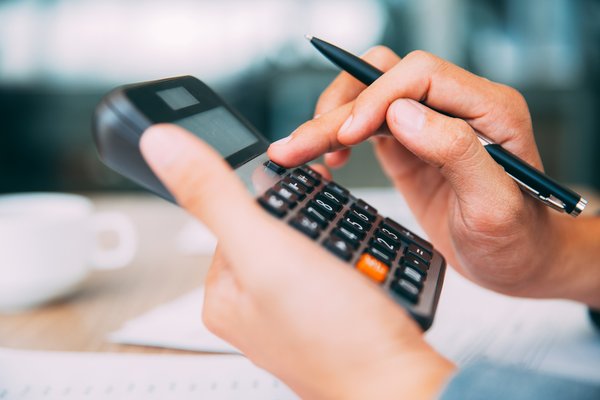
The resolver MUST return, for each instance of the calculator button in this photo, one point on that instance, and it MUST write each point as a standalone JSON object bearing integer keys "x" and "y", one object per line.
{"x": 372, "y": 267}
{"x": 366, "y": 207}
{"x": 415, "y": 263}
{"x": 353, "y": 227}
{"x": 311, "y": 172}
{"x": 333, "y": 197}
{"x": 418, "y": 252}
{"x": 349, "y": 236}
{"x": 381, "y": 255}
{"x": 295, "y": 187}
{"x": 274, "y": 204}
{"x": 324, "y": 208}
{"x": 406, "y": 289}
{"x": 326, "y": 200}
{"x": 286, "y": 194}
{"x": 405, "y": 234}
{"x": 386, "y": 244}
{"x": 304, "y": 178}
{"x": 340, "y": 190}
{"x": 362, "y": 215}
{"x": 316, "y": 215}
{"x": 411, "y": 274}
{"x": 278, "y": 169}
{"x": 339, "y": 247}
{"x": 356, "y": 221}
{"x": 389, "y": 234}
{"x": 306, "y": 226}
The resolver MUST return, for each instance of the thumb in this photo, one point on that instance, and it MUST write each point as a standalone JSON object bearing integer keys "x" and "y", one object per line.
{"x": 451, "y": 145}
{"x": 199, "y": 178}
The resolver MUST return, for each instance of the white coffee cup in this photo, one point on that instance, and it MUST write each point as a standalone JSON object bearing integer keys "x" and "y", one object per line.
{"x": 49, "y": 244}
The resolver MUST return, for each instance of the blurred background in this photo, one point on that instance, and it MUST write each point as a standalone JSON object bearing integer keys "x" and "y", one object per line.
{"x": 58, "y": 57}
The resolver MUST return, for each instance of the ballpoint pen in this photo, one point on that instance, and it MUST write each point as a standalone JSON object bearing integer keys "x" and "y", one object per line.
{"x": 531, "y": 180}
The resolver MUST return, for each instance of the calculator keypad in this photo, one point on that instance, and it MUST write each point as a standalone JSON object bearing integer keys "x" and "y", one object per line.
{"x": 351, "y": 229}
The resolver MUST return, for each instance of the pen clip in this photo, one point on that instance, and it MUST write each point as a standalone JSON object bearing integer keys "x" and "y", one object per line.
{"x": 550, "y": 200}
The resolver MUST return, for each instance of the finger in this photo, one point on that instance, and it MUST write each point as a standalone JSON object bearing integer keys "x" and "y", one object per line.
{"x": 323, "y": 170}
{"x": 345, "y": 87}
{"x": 338, "y": 159}
{"x": 489, "y": 107}
{"x": 201, "y": 181}
{"x": 311, "y": 140}
{"x": 221, "y": 298}
{"x": 451, "y": 146}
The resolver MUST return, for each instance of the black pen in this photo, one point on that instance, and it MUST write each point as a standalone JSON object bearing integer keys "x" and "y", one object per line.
{"x": 531, "y": 180}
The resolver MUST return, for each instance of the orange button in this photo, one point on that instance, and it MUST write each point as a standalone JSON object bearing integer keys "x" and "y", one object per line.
{"x": 372, "y": 267}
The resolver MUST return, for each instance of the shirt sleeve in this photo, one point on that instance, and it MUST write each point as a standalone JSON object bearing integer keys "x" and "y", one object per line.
{"x": 495, "y": 382}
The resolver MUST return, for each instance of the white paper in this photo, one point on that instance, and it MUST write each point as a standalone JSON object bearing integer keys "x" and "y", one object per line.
{"x": 55, "y": 375}
{"x": 175, "y": 325}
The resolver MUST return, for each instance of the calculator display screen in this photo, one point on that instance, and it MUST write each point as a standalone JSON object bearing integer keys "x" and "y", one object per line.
{"x": 220, "y": 129}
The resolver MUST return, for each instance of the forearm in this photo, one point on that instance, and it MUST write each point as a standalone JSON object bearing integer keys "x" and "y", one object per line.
{"x": 576, "y": 260}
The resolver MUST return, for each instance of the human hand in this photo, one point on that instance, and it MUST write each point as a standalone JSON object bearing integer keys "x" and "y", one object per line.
{"x": 472, "y": 210}
{"x": 289, "y": 305}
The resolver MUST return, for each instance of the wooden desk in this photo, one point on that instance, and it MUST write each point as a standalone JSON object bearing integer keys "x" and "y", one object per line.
{"x": 107, "y": 299}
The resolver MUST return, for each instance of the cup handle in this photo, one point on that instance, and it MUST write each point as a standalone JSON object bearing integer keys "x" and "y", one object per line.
{"x": 124, "y": 251}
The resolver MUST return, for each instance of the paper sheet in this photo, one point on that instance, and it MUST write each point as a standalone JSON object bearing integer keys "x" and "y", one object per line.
{"x": 49, "y": 375}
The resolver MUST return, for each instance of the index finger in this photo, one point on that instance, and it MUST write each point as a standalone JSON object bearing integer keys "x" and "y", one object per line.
{"x": 311, "y": 140}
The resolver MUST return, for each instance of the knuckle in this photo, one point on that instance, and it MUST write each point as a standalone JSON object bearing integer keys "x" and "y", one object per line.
{"x": 422, "y": 57}
{"x": 380, "y": 53}
{"x": 462, "y": 141}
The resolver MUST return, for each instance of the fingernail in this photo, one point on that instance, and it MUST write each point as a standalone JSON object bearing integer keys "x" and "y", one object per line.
{"x": 346, "y": 126}
{"x": 408, "y": 115}
{"x": 161, "y": 147}
{"x": 316, "y": 116}
{"x": 282, "y": 141}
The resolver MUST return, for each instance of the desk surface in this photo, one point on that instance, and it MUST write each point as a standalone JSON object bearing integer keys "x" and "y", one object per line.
{"x": 107, "y": 299}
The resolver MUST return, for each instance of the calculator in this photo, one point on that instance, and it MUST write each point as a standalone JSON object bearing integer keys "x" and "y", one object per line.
{"x": 403, "y": 264}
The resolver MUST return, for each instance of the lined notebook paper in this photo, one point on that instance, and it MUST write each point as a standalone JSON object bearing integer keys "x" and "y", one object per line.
{"x": 58, "y": 375}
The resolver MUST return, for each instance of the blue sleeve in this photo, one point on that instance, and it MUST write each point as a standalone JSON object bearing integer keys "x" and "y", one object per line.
{"x": 494, "y": 382}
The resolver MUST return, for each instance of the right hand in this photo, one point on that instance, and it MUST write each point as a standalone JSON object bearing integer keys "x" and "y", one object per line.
{"x": 487, "y": 228}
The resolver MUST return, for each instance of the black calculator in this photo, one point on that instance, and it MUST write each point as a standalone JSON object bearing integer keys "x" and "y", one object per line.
{"x": 406, "y": 266}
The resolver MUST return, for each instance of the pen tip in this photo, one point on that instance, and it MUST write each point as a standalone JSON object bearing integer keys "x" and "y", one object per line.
{"x": 308, "y": 37}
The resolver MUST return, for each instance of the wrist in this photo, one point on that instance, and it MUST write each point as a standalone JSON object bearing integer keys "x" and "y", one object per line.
{"x": 418, "y": 374}
{"x": 572, "y": 262}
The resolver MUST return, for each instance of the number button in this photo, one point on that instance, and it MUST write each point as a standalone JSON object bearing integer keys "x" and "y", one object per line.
{"x": 273, "y": 203}
{"x": 316, "y": 215}
{"x": 356, "y": 221}
{"x": 362, "y": 215}
{"x": 405, "y": 234}
{"x": 334, "y": 205}
{"x": 386, "y": 244}
{"x": 324, "y": 208}
{"x": 366, "y": 208}
{"x": 339, "y": 247}
{"x": 350, "y": 237}
{"x": 334, "y": 197}
{"x": 341, "y": 191}
{"x": 306, "y": 225}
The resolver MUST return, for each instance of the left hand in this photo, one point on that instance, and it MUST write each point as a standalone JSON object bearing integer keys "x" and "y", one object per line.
{"x": 284, "y": 301}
